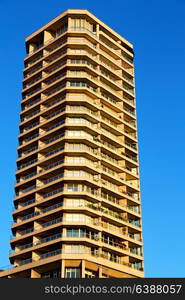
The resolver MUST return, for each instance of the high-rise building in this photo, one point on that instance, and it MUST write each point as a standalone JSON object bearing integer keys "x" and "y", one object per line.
{"x": 77, "y": 194}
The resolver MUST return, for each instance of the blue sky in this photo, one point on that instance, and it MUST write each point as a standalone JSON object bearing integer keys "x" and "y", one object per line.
{"x": 156, "y": 28}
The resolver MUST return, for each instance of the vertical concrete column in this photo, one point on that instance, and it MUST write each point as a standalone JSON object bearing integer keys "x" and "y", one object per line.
{"x": 100, "y": 272}
{"x": 47, "y": 36}
{"x": 83, "y": 268}
{"x": 70, "y": 23}
{"x": 97, "y": 29}
{"x": 62, "y": 268}
{"x": 64, "y": 232}
{"x": 35, "y": 256}
{"x": 35, "y": 274}
{"x": 31, "y": 47}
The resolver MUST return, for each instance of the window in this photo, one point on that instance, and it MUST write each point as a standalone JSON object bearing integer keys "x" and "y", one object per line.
{"x": 52, "y": 274}
{"x": 74, "y": 202}
{"x": 72, "y": 83}
{"x": 75, "y": 232}
{"x": 61, "y": 30}
{"x": 75, "y": 249}
{"x": 75, "y": 173}
{"x": 72, "y": 187}
{"x": 72, "y": 273}
{"x": 76, "y": 133}
{"x": 75, "y": 218}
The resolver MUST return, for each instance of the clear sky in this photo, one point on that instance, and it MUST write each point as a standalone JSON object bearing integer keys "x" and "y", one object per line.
{"x": 157, "y": 30}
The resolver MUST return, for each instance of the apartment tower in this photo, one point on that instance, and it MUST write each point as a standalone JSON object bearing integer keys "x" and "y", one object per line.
{"x": 77, "y": 194}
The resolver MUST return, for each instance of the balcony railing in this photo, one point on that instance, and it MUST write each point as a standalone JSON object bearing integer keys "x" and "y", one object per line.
{"x": 54, "y": 178}
{"x": 30, "y": 126}
{"x": 117, "y": 53}
{"x": 29, "y": 138}
{"x": 55, "y": 90}
{"x": 54, "y": 138}
{"x": 55, "y": 113}
{"x": 82, "y": 29}
{"x": 55, "y": 125}
{"x": 83, "y": 251}
{"x": 30, "y": 115}
{"x": 32, "y": 82}
{"x": 29, "y": 175}
{"x": 54, "y": 57}
{"x": 26, "y": 231}
{"x": 55, "y": 78}
{"x": 49, "y": 223}
{"x": 129, "y": 111}
{"x": 25, "y": 261}
{"x": 31, "y": 103}
{"x": 27, "y": 203}
{"x": 46, "y": 42}
{"x": 54, "y": 192}
{"x": 57, "y": 100}
{"x": 29, "y": 150}
{"x": 54, "y": 151}
{"x": 31, "y": 62}
{"x": 27, "y": 217}
{"x": 32, "y": 92}
{"x": 28, "y": 74}
{"x": 30, "y": 188}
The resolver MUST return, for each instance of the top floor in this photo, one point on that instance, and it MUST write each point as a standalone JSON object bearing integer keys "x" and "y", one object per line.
{"x": 75, "y": 20}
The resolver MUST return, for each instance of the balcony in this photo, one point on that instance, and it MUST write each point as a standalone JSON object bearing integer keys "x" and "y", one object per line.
{"x": 33, "y": 60}
{"x": 29, "y": 127}
{"x": 114, "y": 50}
{"x": 54, "y": 192}
{"x": 26, "y": 231}
{"x": 30, "y": 188}
{"x": 34, "y": 70}
{"x": 29, "y": 151}
{"x": 29, "y": 175}
{"x": 54, "y": 178}
{"x": 27, "y": 203}
{"x": 31, "y": 103}
{"x": 92, "y": 33}
{"x": 82, "y": 62}
{"x": 25, "y": 261}
{"x": 49, "y": 223}
{"x": 54, "y": 138}
{"x": 57, "y": 163}
{"x": 30, "y": 115}
{"x": 27, "y": 164}
{"x": 55, "y": 78}
{"x": 91, "y": 252}
{"x": 53, "y": 91}
{"x": 51, "y": 253}
{"x": 27, "y": 217}
{"x": 47, "y": 42}
{"x": 55, "y": 125}
{"x": 59, "y": 99}
{"x": 34, "y": 91}
{"x": 54, "y": 151}
{"x": 55, "y": 101}
{"x": 30, "y": 138}
{"x": 31, "y": 82}
{"x": 53, "y": 114}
